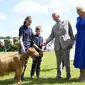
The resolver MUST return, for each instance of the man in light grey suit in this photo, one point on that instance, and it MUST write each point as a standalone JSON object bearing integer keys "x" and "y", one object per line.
{"x": 64, "y": 39}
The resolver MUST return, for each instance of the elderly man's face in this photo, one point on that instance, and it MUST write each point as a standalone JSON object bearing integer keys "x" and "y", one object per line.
{"x": 55, "y": 17}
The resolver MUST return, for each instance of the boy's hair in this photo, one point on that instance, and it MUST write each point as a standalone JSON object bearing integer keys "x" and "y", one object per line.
{"x": 38, "y": 27}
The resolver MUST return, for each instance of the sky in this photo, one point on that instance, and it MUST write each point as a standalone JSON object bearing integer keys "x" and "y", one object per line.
{"x": 13, "y": 13}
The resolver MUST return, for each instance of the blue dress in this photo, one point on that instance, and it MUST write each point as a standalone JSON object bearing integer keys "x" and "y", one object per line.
{"x": 79, "y": 60}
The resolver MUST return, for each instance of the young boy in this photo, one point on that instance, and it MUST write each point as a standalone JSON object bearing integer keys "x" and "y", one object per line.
{"x": 37, "y": 61}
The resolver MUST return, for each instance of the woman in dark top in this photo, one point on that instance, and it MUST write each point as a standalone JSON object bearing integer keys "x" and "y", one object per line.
{"x": 25, "y": 38}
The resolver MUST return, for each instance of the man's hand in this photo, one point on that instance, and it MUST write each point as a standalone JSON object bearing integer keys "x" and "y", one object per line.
{"x": 44, "y": 44}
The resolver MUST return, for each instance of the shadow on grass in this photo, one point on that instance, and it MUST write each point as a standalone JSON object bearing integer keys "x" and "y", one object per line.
{"x": 6, "y": 81}
{"x": 39, "y": 81}
{"x": 45, "y": 81}
{"x": 50, "y": 69}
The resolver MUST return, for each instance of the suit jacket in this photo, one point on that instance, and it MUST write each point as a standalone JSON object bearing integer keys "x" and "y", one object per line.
{"x": 63, "y": 34}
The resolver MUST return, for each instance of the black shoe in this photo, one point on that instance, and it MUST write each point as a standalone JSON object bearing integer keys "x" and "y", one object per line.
{"x": 58, "y": 77}
{"x": 38, "y": 77}
{"x": 68, "y": 78}
{"x": 32, "y": 77}
{"x": 24, "y": 79}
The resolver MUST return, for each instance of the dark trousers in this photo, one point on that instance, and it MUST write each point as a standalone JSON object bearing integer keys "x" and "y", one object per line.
{"x": 36, "y": 66}
{"x": 62, "y": 63}
{"x": 24, "y": 68}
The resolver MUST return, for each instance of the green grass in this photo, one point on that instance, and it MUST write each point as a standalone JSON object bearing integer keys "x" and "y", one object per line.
{"x": 48, "y": 73}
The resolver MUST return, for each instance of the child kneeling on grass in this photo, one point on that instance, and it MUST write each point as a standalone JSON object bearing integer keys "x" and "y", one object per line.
{"x": 37, "y": 61}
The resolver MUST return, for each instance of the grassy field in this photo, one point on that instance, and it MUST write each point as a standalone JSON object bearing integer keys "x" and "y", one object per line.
{"x": 48, "y": 73}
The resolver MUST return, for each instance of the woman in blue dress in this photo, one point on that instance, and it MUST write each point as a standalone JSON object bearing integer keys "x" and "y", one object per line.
{"x": 79, "y": 60}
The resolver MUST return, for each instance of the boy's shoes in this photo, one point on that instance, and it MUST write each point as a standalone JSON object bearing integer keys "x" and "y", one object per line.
{"x": 32, "y": 77}
{"x": 58, "y": 77}
{"x": 68, "y": 78}
{"x": 38, "y": 77}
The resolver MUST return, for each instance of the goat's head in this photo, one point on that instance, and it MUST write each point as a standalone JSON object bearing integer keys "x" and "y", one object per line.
{"x": 32, "y": 52}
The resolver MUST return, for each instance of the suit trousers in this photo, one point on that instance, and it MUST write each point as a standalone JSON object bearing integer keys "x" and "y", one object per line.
{"x": 63, "y": 54}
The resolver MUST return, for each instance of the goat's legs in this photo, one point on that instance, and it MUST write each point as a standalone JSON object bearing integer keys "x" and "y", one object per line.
{"x": 18, "y": 75}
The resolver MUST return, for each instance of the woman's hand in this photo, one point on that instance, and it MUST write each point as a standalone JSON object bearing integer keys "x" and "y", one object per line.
{"x": 21, "y": 42}
{"x": 23, "y": 49}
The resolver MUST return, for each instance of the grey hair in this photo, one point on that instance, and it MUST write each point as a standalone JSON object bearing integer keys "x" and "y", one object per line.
{"x": 81, "y": 8}
{"x": 55, "y": 13}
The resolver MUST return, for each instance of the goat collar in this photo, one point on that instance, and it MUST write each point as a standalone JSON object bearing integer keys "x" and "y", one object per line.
{"x": 26, "y": 56}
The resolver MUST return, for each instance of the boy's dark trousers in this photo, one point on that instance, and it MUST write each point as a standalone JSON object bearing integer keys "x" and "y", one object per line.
{"x": 36, "y": 66}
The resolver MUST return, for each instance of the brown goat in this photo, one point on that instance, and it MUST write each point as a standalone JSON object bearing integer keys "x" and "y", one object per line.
{"x": 15, "y": 63}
